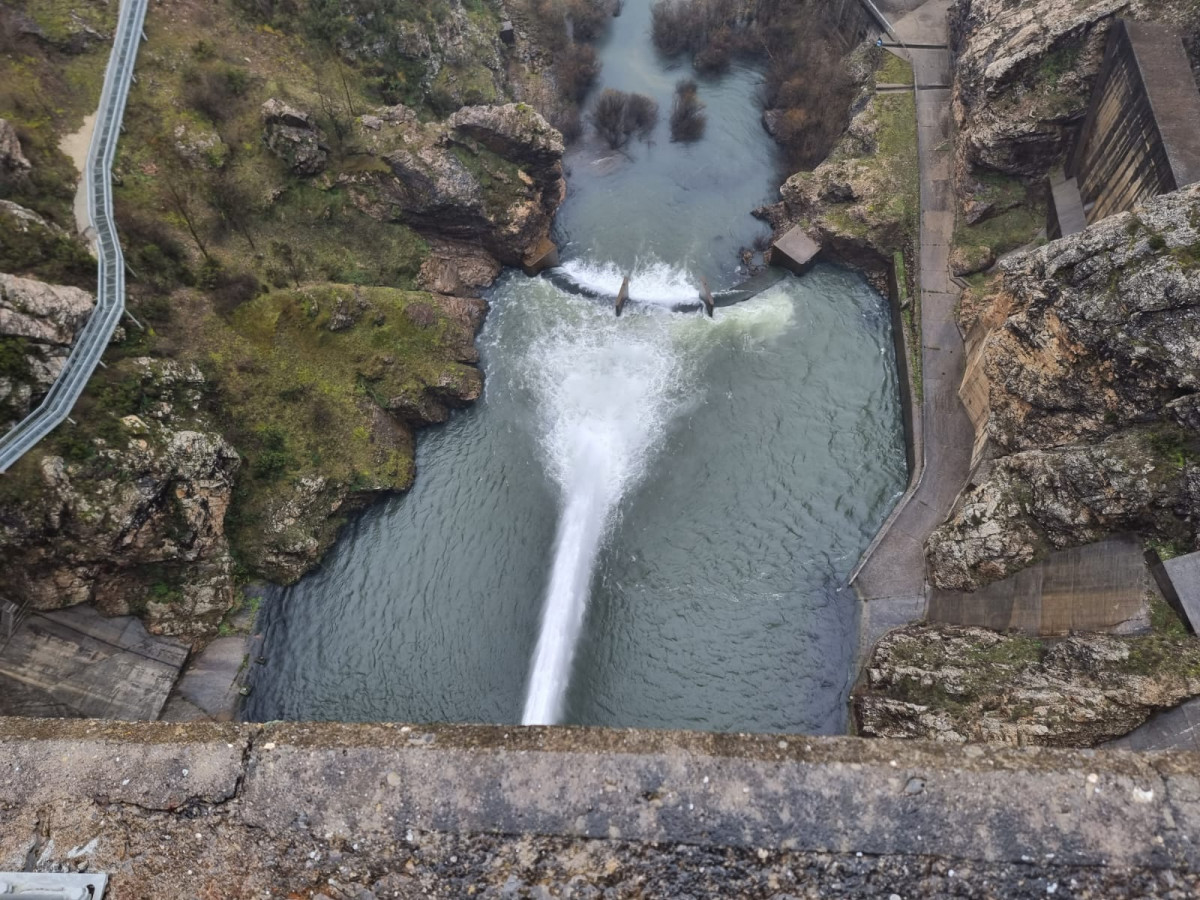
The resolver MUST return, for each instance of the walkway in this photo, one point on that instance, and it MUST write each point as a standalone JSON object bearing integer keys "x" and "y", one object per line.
{"x": 110, "y": 293}
{"x": 892, "y": 582}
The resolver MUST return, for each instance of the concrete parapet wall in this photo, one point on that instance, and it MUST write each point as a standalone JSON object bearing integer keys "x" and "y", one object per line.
{"x": 251, "y": 810}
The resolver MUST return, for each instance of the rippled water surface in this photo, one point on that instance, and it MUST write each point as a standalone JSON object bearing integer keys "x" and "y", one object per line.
{"x": 646, "y": 520}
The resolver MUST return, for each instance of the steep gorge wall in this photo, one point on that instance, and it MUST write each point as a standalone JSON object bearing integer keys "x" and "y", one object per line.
{"x": 310, "y": 233}
{"x": 1083, "y": 383}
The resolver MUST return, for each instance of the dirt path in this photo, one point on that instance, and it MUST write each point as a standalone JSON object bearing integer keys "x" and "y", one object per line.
{"x": 76, "y": 146}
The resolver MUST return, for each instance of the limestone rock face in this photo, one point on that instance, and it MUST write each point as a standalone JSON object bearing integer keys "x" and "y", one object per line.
{"x": 946, "y": 683}
{"x": 135, "y": 526}
{"x": 13, "y": 164}
{"x": 1023, "y": 73}
{"x": 294, "y": 137}
{"x": 38, "y": 323}
{"x": 456, "y": 58}
{"x": 488, "y": 176}
{"x": 1089, "y": 361}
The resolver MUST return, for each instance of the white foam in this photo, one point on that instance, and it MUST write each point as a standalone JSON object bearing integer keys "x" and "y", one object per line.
{"x": 652, "y": 282}
{"x": 605, "y": 392}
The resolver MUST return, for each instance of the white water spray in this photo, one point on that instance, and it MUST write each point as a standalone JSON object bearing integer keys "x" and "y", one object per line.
{"x": 606, "y": 391}
{"x": 654, "y": 282}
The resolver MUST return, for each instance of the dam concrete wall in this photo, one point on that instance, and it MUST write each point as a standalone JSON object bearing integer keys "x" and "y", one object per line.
{"x": 365, "y": 811}
{"x": 1141, "y": 134}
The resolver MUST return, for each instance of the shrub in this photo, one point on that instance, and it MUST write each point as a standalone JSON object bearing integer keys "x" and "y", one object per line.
{"x": 712, "y": 60}
{"x": 641, "y": 115}
{"x": 808, "y": 80}
{"x": 214, "y": 92}
{"x": 232, "y": 290}
{"x": 678, "y": 26}
{"x": 588, "y": 18}
{"x": 617, "y": 116}
{"x": 151, "y": 249}
{"x": 569, "y": 123}
{"x": 687, "y": 113}
{"x": 608, "y": 117}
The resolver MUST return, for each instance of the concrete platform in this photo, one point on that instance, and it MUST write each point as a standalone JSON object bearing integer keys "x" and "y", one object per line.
{"x": 77, "y": 663}
{"x": 795, "y": 251}
{"x": 543, "y": 256}
{"x": 373, "y": 811}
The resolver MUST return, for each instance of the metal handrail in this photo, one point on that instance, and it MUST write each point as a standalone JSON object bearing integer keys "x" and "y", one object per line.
{"x": 110, "y": 267}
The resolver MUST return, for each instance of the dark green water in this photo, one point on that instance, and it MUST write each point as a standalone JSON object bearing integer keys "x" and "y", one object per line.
{"x": 645, "y": 521}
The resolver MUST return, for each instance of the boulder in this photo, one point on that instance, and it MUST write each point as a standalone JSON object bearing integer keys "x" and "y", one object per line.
{"x": 293, "y": 136}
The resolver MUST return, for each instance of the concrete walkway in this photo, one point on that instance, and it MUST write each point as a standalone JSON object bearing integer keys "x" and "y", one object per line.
{"x": 892, "y": 582}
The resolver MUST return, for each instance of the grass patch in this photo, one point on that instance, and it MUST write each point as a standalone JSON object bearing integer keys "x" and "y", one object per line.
{"x": 896, "y": 159}
{"x": 298, "y": 399}
{"x": 1163, "y": 619}
{"x": 1003, "y": 233}
{"x": 893, "y": 70}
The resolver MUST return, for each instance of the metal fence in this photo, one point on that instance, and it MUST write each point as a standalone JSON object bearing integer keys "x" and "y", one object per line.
{"x": 110, "y": 288}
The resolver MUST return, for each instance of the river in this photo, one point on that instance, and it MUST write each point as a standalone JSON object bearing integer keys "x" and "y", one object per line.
{"x": 646, "y": 520}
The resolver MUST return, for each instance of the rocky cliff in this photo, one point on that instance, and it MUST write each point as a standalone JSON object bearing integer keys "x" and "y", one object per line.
{"x": 38, "y": 324}
{"x": 1084, "y": 366}
{"x": 309, "y": 205}
{"x": 945, "y": 683}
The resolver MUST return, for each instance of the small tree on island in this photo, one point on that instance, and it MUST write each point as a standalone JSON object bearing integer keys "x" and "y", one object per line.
{"x": 617, "y": 116}
{"x": 687, "y": 113}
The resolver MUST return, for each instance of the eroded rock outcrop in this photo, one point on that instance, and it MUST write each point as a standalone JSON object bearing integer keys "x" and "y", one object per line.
{"x": 1087, "y": 367}
{"x": 13, "y": 164}
{"x": 860, "y": 204}
{"x": 294, "y": 137}
{"x": 489, "y": 176}
{"x": 38, "y": 324}
{"x": 946, "y": 683}
{"x": 132, "y": 522}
